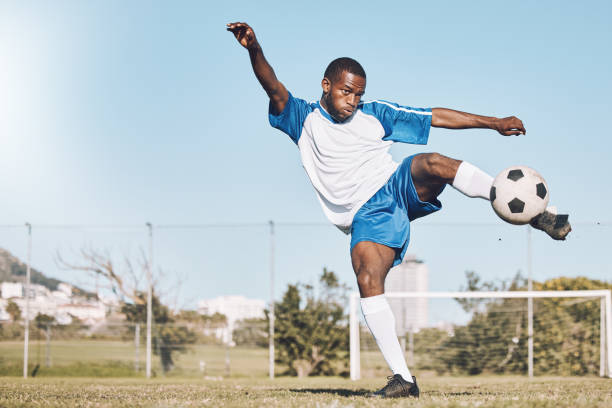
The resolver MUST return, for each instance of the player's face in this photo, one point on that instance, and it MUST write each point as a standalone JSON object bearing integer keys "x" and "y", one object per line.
{"x": 341, "y": 97}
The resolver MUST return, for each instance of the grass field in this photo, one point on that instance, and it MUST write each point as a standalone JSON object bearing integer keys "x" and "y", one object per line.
{"x": 186, "y": 386}
{"x": 311, "y": 392}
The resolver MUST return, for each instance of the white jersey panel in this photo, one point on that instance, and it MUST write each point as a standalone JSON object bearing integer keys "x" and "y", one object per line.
{"x": 347, "y": 162}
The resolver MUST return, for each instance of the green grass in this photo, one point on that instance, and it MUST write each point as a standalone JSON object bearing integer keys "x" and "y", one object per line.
{"x": 116, "y": 358}
{"x": 74, "y": 379}
{"x": 312, "y": 392}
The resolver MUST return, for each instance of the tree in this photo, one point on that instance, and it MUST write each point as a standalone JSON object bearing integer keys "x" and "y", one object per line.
{"x": 570, "y": 345}
{"x": 311, "y": 330}
{"x": 13, "y": 310}
{"x": 167, "y": 338}
{"x": 42, "y": 321}
{"x": 251, "y": 332}
{"x": 493, "y": 334}
{"x": 566, "y": 331}
{"x": 123, "y": 279}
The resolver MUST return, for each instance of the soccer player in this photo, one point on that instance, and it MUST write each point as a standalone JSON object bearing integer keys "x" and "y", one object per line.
{"x": 344, "y": 145}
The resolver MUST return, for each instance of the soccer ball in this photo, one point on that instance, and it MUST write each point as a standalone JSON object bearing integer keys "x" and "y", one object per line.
{"x": 518, "y": 194}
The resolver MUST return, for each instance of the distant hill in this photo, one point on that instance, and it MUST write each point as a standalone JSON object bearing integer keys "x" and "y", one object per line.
{"x": 13, "y": 270}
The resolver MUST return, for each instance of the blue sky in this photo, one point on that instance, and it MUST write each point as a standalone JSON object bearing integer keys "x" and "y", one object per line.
{"x": 120, "y": 113}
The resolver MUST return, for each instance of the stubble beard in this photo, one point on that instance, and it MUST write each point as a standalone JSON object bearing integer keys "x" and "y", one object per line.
{"x": 330, "y": 108}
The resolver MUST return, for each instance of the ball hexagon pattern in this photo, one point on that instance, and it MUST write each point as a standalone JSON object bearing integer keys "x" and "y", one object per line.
{"x": 518, "y": 194}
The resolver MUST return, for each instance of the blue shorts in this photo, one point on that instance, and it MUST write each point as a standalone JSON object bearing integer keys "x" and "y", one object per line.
{"x": 385, "y": 218}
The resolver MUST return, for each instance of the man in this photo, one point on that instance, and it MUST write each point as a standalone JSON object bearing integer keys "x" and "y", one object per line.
{"x": 344, "y": 147}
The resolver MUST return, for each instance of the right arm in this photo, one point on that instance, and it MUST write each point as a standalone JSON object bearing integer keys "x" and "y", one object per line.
{"x": 276, "y": 91}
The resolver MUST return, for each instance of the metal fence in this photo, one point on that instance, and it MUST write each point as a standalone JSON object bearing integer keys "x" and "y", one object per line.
{"x": 201, "y": 261}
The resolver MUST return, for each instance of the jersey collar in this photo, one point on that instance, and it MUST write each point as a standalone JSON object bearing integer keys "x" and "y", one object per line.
{"x": 326, "y": 114}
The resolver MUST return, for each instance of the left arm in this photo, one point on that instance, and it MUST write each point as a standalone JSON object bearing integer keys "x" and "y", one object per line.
{"x": 452, "y": 119}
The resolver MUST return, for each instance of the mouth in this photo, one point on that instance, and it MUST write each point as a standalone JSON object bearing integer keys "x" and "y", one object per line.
{"x": 348, "y": 111}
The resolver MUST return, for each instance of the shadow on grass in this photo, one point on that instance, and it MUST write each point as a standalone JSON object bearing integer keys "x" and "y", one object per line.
{"x": 335, "y": 391}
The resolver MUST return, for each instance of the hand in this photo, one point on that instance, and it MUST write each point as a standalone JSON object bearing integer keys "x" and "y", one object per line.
{"x": 244, "y": 34}
{"x": 510, "y": 126}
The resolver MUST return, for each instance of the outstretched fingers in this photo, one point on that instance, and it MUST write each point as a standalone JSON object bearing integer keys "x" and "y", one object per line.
{"x": 236, "y": 26}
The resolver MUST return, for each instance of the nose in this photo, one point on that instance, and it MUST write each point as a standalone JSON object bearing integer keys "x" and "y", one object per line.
{"x": 352, "y": 100}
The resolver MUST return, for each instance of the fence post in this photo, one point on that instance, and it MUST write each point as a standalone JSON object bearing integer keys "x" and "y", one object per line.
{"x": 602, "y": 337}
{"x": 149, "y": 299}
{"x": 48, "y": 348}
{"x": 529, "y": 308}
{"x": 354, "y": 357}
{"x": 227, "y": 360}
{"x": 137, "y": 347}
{"x": 609, "y": 333}
{"x": 411, "y": 347}
{"x": 26, "y": 337}
{"x": 271, "y": 314}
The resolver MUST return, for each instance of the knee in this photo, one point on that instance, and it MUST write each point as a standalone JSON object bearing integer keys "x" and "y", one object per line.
{"x": 371, "y": 282}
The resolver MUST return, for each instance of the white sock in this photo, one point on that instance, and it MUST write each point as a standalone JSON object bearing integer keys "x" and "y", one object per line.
{"x": 380, "y": 320}
{"x": 472, "y": 181}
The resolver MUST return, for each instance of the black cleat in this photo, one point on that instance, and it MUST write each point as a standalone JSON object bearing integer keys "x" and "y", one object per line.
{"x": 557, "y": 226}
{"x": 397, "y": 387}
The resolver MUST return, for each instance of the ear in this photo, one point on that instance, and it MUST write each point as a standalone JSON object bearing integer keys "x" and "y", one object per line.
{"x": 326, "y": 85}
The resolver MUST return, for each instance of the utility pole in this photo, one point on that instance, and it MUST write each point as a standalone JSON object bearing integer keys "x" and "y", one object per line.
{"x": 529, "y": 306}
{"x": 149, "y": 299}
{"x": 271, "y": 315}
{"x": 26, "y": 337}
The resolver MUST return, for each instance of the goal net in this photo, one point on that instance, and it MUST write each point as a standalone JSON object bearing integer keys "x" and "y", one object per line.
{"x": 560, "y": 333}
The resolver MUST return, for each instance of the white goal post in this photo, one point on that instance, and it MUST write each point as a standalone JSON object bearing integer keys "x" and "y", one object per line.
{"x": 605, "y": 317}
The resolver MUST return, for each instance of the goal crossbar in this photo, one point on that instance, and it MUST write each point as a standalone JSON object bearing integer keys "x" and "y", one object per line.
{"x": 604, "y": 295}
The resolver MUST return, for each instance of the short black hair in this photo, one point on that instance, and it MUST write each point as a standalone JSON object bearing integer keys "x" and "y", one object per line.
{"x": 335, "y": 68}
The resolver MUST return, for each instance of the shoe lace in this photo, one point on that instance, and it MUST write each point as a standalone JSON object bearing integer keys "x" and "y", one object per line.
{"x": 391, "y": 380}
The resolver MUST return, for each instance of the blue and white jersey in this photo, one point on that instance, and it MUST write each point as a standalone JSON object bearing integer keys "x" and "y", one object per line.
{"x": 348, "y": 162}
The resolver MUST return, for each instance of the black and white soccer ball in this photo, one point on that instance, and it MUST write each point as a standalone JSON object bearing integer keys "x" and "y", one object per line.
{"x": 518, "y": 194}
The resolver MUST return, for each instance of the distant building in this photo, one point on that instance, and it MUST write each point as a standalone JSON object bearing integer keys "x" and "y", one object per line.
{"x": 88, "y": 313}
{"x": 4, "y": 316}
{"x": 39, "y": 291}
{"x": 411, "y": 314}
{"x": 11, "y": 290}
{"x": 65, "y": 288}
{"x": 235, "y": 308}
{"x": 59, "y": 304}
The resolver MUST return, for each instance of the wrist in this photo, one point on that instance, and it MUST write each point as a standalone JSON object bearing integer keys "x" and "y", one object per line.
{"x": 493, "y": 123}
{"x": 254, "y": 48}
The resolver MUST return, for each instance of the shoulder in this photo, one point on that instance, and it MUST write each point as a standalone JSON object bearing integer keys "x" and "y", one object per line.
{"x": 380, "y": 106}
{"x": 292, "y": 118}
{"x": 397, "y": 118}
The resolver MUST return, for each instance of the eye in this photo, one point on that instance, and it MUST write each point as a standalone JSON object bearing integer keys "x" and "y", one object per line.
{"x": 346, "y": 91}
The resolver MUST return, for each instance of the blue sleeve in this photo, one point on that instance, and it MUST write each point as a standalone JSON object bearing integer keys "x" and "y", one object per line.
{"x": 292, "y": 118}
{"x": 401, "y": 123}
